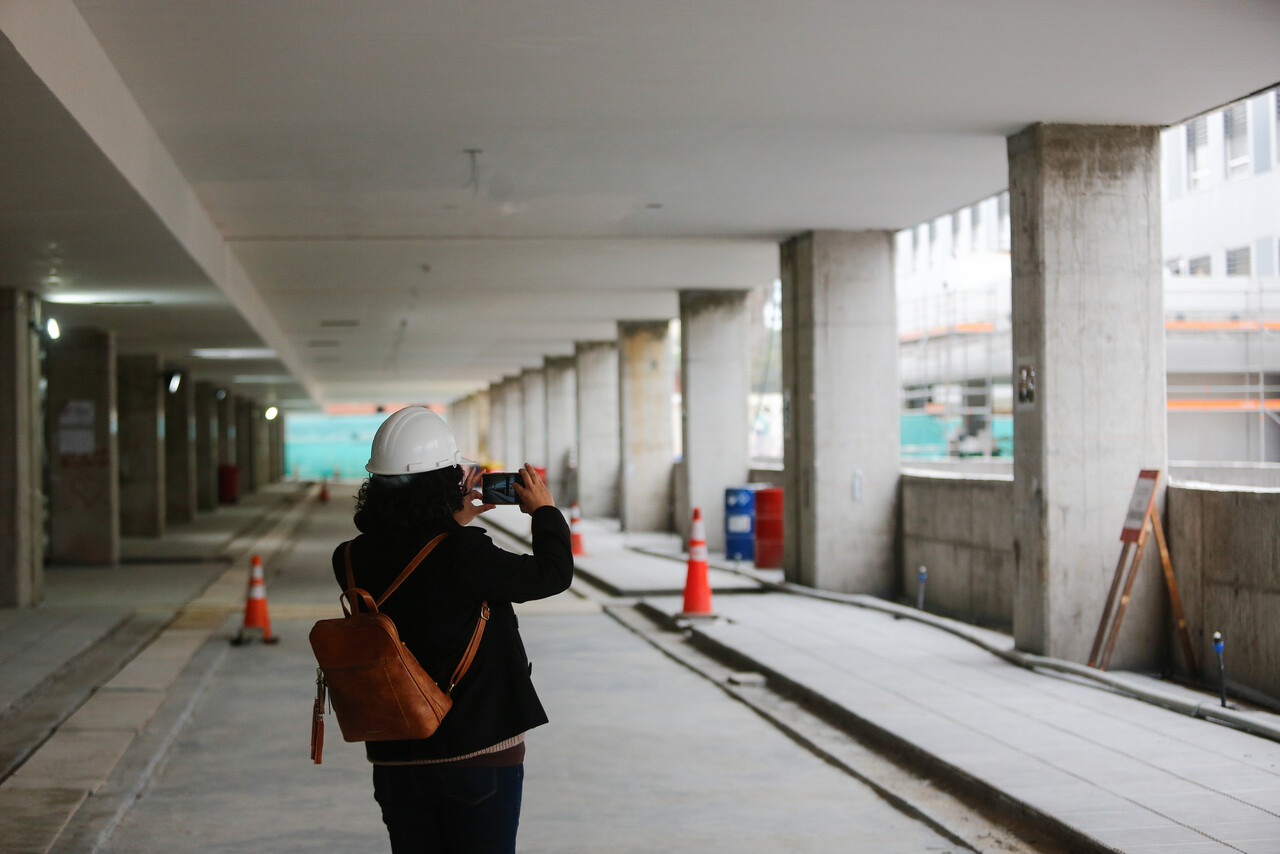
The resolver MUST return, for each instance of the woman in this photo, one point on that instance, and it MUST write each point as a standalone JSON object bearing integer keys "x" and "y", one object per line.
{"x": 460, "y": 789}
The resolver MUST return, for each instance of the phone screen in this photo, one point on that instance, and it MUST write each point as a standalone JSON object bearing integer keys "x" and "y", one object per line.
{"x": 499, "y": 487}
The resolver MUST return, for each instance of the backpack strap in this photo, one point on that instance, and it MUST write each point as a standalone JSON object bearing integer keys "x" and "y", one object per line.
{"x": 471, "y": 647}
{"x": 413, "y": 564}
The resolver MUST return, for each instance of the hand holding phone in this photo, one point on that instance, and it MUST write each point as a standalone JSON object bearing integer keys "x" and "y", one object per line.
{"x": 532, "y": 491}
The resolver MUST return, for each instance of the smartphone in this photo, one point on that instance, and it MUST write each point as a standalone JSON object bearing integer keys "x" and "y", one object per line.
{"x": 499, "y": 487}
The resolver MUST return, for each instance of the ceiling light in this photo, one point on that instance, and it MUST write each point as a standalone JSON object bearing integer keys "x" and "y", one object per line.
{"x": 221, "y": 394}
{"x": 53, "y": 330}
{"x": 234, "y": 353}
{"x": 271, "y": 413}
{"x": 174, "y": 379}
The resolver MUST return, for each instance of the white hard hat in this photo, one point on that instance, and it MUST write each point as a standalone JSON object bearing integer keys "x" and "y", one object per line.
{"x": 412, "y": 440}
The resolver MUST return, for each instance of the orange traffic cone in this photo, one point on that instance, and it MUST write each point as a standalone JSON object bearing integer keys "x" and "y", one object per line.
{"x": 575, "y": 530}
{"x": 697, "y": 589}
{"x": 255, "y": 608}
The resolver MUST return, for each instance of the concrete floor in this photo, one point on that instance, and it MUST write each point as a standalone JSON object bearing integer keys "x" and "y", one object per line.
{"x": 641, "y": 755}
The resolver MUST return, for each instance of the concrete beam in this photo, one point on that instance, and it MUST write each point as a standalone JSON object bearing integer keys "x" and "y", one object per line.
{"x": 1088, "y": 325}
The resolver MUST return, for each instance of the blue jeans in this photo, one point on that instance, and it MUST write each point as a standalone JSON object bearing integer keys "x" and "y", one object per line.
{"x": 450, "y": 808}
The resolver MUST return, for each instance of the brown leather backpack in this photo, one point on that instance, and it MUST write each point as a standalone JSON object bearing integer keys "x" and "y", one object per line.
{"x": 376, "y": 687}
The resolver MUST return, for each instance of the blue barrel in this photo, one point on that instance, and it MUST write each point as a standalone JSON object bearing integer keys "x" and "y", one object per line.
{"x": 740, "y": 522}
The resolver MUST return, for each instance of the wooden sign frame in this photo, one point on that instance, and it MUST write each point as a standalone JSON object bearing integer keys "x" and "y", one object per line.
{"x": 1139, "y": 520}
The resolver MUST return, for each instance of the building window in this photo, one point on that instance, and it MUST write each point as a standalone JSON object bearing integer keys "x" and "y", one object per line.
{"x": 1238, "y": 262}
{"x": 955, "y": 233}
{"x": 1197, "y": 153}
{"x": 1174, "y": 266}
{"x": 1235, "y": 126}
{"x": 1199, "y": 266}
{"x": 975, "y": 226}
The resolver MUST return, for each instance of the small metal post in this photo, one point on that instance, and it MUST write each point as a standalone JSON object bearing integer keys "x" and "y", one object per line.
{"x": 922, "y": 577}
{"x": 1218, "y": 646}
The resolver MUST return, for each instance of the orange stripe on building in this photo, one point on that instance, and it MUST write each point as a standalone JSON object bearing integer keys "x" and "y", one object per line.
{"x": 1222, "y": 405}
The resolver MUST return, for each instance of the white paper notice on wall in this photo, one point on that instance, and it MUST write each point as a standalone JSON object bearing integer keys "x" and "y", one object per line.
{"x": 75, "y": 428}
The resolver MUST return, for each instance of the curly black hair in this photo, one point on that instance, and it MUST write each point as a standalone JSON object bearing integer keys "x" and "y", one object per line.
{"x": 408, "y": 502}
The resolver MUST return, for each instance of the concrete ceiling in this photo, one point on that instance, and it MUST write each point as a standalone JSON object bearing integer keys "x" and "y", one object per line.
{"x": 296, "y": 173}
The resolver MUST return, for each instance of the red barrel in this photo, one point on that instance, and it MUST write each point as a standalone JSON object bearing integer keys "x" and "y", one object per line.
{"x": 769, "y": 528}
{"x": 228, "y": 484}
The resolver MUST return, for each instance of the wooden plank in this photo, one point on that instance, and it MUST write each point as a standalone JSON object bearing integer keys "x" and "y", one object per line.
{"x": 1179, "y": 618}
{"x": 1106, "y": 608}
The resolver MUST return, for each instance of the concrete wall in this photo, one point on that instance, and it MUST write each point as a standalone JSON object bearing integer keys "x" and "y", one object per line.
{"x": 1225, "y": 544}
{"x": 961, "y": 528}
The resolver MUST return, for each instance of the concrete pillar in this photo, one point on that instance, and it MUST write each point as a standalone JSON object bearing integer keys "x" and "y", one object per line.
{"x": 644, "y": 418}
{"x": 513, "y": 398}
{"x": 497, "y": 424}
{"x": 141, "y": 390}
{"x": 180, "y": 453}
{"x": 533, "y": 394}
{"x": 21, "y": 450}
{"x": 1088, "y": 326}
{"x": 261, "y": 447}
{"x": 84, "y": 474}
{"x": 275, "y": 448}
{"x": 484, "y": 425}
{"x": 562, "y": 427}
{"x": 244, "y": 444}
{"x": 599, "y": 445}
{"x": 715, "y": 372}
{"x": 840, "y": 407}
{"x": 227, "y": 428}
{"x": 207, "y": 439}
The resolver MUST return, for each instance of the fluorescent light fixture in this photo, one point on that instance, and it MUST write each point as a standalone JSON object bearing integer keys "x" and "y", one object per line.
{"x": 262, "y": 379}
{"x": 53, "y": 330}
{"x": 175, "y": 380}
{"x": 234, "y": 353}
{"x": 271, "y": 413}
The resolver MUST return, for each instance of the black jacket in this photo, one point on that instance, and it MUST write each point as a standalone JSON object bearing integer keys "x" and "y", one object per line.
{"x": 435, "y": 611}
